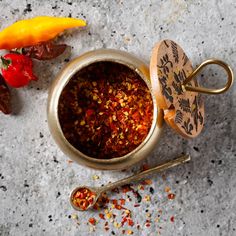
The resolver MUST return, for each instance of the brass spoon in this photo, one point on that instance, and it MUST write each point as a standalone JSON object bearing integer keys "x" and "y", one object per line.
{"x": 134, "y": 178}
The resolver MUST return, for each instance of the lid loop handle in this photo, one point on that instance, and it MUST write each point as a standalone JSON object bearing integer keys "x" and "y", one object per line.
{"x": 227, "y": 68}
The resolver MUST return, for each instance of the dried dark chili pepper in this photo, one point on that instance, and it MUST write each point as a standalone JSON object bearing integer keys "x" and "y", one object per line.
{"x": 5, "y": 97}
{"x": 106, "y": 110}
{"x": 44, "y": 51}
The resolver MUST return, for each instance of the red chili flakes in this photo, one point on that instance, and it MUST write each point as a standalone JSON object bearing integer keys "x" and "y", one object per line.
{"x": 171, "y": 196}
{"x": 92, "y": 221}
{"x": 148, "y": 220}
{"x": 114, "y": 201}
{"x": 102, "y": 216}
{"x": 147, "y": 224}
{"x": 124, "y": 219}
{"x": 119, "y": 207}
{"x": 83, "y": 198}
{"x": 172, "y": 219}
{"x": 106, "y": 227}
{"x": 141, "y": 187}
{"x": 122, "y": 201}
{"x": 126, "y": 188}
{"x": 130, "y": 222}
{"x": 105, "y": 110}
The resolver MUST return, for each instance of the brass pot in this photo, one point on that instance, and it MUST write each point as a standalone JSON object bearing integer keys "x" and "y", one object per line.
{"x": 63, "y": 78}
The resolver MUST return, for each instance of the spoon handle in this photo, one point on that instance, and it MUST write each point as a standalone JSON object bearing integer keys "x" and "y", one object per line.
{"x": 136, "y": 177}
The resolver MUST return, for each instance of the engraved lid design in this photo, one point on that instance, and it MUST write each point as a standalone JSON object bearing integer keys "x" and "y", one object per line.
{"x": 169, "y": 68}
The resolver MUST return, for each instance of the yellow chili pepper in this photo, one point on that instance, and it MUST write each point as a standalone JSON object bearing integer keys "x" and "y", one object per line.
{"x": 35, "y": 30}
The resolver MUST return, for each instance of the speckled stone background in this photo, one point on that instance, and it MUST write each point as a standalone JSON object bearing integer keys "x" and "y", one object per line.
{"x": 36, "y": 177}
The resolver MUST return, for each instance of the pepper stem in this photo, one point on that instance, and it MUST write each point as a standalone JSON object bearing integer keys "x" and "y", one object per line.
{"x": 5, "y": 62}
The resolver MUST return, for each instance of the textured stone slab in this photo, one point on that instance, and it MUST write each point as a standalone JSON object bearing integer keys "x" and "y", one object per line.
{"x": 35, "y": 176}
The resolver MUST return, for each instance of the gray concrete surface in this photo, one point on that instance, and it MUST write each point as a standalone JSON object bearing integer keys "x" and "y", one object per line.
{"x": 35, "y": 176}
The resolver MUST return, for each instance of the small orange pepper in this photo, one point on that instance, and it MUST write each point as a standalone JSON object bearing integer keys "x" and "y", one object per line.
{"x": 32, "y": 31}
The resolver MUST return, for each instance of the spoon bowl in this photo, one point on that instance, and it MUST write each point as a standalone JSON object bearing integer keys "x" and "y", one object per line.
{"x": 95, "y": 192}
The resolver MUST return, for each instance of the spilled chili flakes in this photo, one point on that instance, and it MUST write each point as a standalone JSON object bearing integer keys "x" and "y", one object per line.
{"x": 147, "y": 198}
{"x": 119, "y": 207}
{"x": 171, "y": 196}
{"x": 106, "y": 110}
{"x": 141, "y": 187}
{"x": 167, "y": 189}
{"x": 126, "y": 188}
{"x": 106, "y": 227}
{"x": 114, "y": 201}
{"x": 122, "y": 201}
{"x": 129, "y": 232}
{"x": 130, "y": 222}
{"x": 117, "y": 218}
{"x": 102, "y": 216}
{"x": 117, "y": 225}
{"x": 92, "y": 221}
{"x": 151, "y": 190}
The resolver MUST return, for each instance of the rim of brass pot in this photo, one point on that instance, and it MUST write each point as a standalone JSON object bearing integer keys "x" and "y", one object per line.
{"x": 63, "y": 78}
